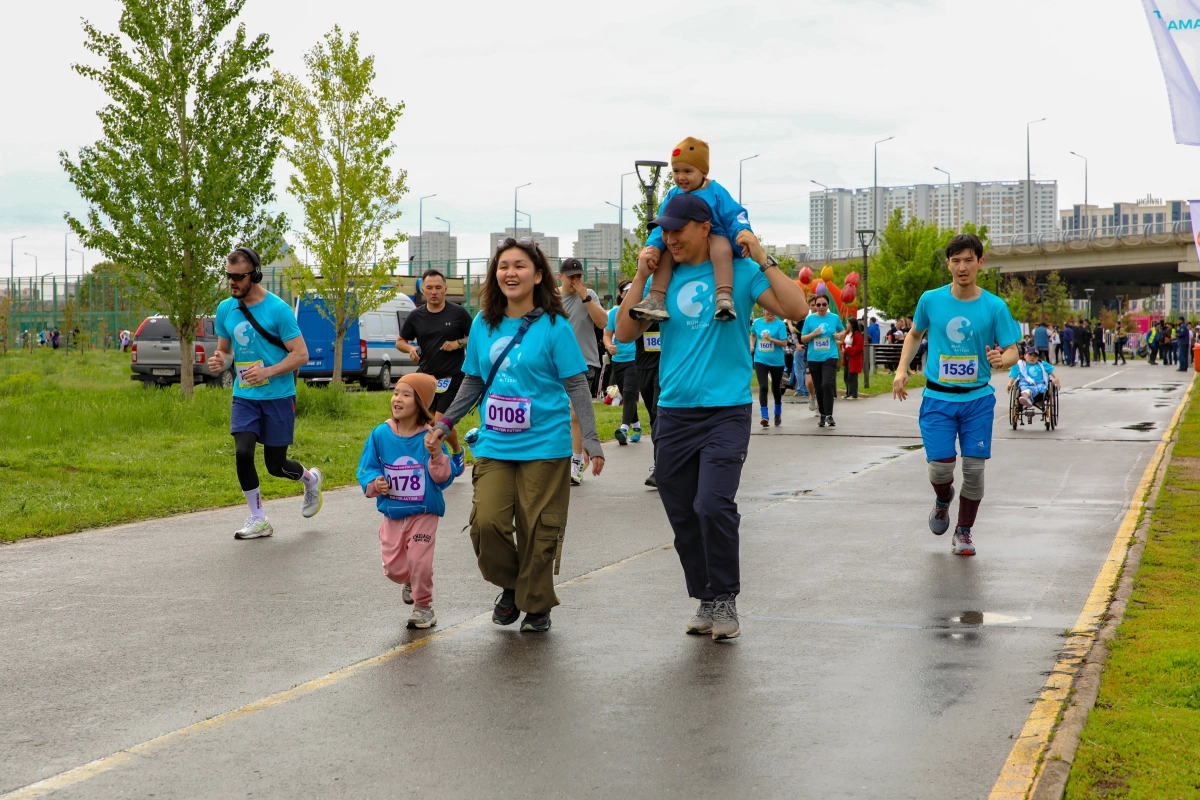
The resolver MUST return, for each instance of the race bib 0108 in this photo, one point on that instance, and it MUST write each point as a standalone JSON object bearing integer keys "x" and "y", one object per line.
{"x": 652, "y": 341}
{"x": 507, "y": 414}
{"x": 443, "y": 384}
{"x": 958, "y": 369}
{"x": 242, "y": 366}
{"x": 406, "y": 482}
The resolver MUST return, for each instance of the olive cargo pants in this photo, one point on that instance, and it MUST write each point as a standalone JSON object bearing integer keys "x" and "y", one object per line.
{"x": 530, "y": 499}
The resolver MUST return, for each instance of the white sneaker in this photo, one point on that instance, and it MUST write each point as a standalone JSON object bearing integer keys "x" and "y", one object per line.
{"x": 422, "y": 617}
{"x": 576, "y": 472}
{"x": 312, "y": 498}
{"x": 406, "y": 594}
{"x": 963, "y": 546}
{"x": 254, "y": 528}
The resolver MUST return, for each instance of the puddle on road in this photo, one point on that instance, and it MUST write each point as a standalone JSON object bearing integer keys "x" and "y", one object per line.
{"x": 1140, "y": 426}
{"x": 911, "y": 446}
{"x": 986, "y": 618}
{"x": 1166, "y": 387}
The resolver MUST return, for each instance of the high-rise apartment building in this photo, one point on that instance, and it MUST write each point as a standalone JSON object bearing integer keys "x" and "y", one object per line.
{"x": 433, "y": 246}
{"x": 601, "y": 241}
{"x": 549, "y": 244}
{"x": 835, "y": 214}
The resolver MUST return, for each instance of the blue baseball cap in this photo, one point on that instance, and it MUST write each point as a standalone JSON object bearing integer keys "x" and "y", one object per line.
{"x": 679, "y": 211}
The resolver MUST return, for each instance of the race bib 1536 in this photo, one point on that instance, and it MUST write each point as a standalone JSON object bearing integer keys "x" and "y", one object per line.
{"x": 958, "y": 369}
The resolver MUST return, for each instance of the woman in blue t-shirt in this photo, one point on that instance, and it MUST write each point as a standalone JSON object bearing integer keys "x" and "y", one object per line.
{"x": 525, "y": 370}
{"x": 768, "y": 336}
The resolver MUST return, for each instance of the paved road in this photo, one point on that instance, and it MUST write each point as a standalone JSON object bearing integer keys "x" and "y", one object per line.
{"x": 872, "y": 662}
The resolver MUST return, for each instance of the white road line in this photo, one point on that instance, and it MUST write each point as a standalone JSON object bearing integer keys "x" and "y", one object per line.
{"x": 1106, "y": 377}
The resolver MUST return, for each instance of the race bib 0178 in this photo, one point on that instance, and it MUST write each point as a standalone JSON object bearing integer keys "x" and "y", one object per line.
{"x": 406, "y": 482}
{"x": 508, "y": 414}
{"x": 652, "y": 341}
{"x": 958, "y": 369}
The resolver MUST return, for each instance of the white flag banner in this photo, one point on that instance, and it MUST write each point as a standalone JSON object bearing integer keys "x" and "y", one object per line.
{"x": 1195, "y": 204}
{"x": 1175, "y": 26}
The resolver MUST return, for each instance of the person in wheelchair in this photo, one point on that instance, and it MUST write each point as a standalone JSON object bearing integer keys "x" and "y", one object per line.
{"x": 1033, "y": 377}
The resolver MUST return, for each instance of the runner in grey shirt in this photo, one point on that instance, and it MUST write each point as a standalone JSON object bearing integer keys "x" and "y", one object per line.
{"x": 586, "y": 315}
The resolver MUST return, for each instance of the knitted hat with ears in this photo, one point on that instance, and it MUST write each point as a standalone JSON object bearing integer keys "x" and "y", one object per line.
{"x": 692, "y": 151}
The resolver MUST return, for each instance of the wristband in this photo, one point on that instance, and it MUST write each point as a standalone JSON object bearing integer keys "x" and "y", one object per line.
{"x": 448, "y": 423}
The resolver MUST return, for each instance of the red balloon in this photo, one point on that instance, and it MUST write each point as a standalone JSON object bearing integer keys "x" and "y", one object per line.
{"x": 852, "y": 279}
{"x": 805, "y": 275}
{"x": 848, "y": 293}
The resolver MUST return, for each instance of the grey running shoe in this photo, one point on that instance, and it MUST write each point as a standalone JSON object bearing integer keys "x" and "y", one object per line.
{"x": 725, "y": 620}
{"x": 725, "y": 311}
{"x": 812, "y": 403}
{"x": 254, "y": 528}
{"x": 821, "y": 422}
{"x": 312, "y": 499}
{"x": 576, "y": 472}
{"x": 422, "y": 618}
{"x": 650, "y": 309}
{"x": 829, "y": 421}
{"x": 702, "y": 621}
{"x": 536, "y": 623}
{"x": 963, "y": 546}
{"x": 406, "y": 594}
{"x": 939, "y": 518}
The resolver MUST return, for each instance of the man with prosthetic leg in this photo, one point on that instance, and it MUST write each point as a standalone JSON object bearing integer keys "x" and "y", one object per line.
{"x": 971, "y": 332}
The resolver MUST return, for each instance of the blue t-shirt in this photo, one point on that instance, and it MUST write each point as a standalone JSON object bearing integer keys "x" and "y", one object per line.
{"x": 625, "y": 352}
{"x": 526, "y": 415}
{"x": 705, "y": 363}
{"x": 275, "y": 316}
{"x": 1038, "y": 375}
{"x": 728, "y": 216}
{"x": 823, "y": 347}
{"x": 873, "y": 332}
{"x": 959, "y": 332}
{"x": 1041, "y": 338}
{"x": 404, "y": 461}
{"x": 765, "y": 352}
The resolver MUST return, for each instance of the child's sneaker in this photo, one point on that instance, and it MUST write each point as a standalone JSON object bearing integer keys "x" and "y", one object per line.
{"x": 651, "y": 309}
{"x": 422, "y": 617}
{"x": 635, "y": 435}
{"x": 576, "y": 471}
{"x": 458, "y": 462}
{"x": 725, "y": 311}
{"x": 406, "y": 594}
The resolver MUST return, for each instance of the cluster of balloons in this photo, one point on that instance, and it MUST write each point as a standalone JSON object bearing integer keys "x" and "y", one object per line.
{"x": 841, "y": 297}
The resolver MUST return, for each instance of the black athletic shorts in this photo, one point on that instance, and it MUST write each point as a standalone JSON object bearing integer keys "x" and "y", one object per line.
{"x": 442, "y": 400}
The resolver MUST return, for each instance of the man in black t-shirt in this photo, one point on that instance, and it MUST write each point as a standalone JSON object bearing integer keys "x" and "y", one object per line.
{"x": 646, "y": 363}
{"x": 440, "y": 330}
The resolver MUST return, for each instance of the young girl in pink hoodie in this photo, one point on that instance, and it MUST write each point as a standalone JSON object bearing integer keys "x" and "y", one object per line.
{"x": 407, "y": 478}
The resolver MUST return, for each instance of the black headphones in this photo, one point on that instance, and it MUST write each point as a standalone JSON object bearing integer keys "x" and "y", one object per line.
{"x": 256, "y": 276}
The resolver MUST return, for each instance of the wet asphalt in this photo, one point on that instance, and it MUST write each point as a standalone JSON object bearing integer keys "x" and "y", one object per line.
{"x": 873, "y": 663}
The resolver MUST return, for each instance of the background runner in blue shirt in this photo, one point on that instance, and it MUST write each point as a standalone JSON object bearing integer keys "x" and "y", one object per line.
{"x": 768, "y": 336}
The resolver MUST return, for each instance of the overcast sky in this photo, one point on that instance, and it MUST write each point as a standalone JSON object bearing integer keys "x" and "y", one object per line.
{"x": 568, "y": 95}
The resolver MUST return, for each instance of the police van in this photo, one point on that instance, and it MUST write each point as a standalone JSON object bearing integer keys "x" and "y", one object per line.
{"x": 369, "y": 353}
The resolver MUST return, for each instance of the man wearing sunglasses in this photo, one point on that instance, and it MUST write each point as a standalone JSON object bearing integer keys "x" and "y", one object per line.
{"x": 259, "y": 331}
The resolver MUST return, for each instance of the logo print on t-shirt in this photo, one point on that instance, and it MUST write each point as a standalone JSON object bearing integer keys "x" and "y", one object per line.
{"x": 241, "y": 333}
{"x": 958, "y": 329}
{"x": 692, "y": 298}
{"x": 498, "y": 348}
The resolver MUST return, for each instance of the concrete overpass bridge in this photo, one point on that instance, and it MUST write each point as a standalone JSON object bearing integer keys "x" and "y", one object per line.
{"x": 1132, "y": 260}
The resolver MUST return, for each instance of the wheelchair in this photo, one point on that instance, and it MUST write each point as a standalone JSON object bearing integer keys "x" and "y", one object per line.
{"x": 1046, "y": 408}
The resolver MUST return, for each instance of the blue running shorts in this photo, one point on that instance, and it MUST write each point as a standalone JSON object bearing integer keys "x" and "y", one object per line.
{"x": 971, "y": 422}
{"x": 272, "y": 421}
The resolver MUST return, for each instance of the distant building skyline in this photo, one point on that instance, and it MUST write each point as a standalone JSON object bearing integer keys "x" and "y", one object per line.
{"x": 601, "y": 241}
{"x": 548, "y": 244}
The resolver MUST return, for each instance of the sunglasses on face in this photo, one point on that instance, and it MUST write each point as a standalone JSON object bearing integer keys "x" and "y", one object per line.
{"x": 237, "y": 277}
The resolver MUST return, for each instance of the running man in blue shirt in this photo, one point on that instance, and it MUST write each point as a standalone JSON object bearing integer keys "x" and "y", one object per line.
{"x": 259, "y": 330}
{"x": 971, "y": 332}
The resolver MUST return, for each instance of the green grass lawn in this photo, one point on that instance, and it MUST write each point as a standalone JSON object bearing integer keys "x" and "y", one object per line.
{"x": 1143, "y": 736}
{"x": 82, "y": 446}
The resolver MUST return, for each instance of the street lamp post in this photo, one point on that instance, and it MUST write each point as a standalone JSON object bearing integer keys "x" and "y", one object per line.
{"x": 1029, "y": 182}
{"x": 519, "y": 188}
{"x": 12, "y": 259}
{"x": 949, "y": 201}
{"x": 1089, "y": 308}
{"x": 875, "y": 188}
{"x": 620, "y": 231}
{"x": 82, "y": 268}
{"x": 1041, "y": 290}
{"x": 747, "y": 158}
{"x": 866, "y": 238}
{"x": 1086, "y": 213}
{"x": 621, "y": 215}
{"x": 421, "y": 226}
{"x": 649, "y": 181}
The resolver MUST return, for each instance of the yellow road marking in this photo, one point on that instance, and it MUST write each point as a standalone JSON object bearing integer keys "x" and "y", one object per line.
{"x": 1020, "y": 773}
{"x": 101, "y": 765}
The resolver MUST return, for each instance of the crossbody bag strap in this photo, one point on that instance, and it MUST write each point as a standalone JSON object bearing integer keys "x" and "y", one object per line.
{"x": 270, "y": 337}
{"x": 526, "y": 321}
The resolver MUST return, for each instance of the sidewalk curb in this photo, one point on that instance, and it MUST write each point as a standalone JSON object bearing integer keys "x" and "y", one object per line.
{"x": 1051, "y": 781}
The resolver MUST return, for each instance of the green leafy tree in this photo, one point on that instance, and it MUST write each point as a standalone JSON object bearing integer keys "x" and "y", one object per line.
{"x": 906, "y": 265}
{"x": 1056, "y": 300}
{"x": 337, "y": 141}
{"x": 629, "y": 249}
{"x": 1020, "y": 297}
{"x": 183, "y": 169}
